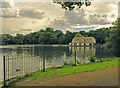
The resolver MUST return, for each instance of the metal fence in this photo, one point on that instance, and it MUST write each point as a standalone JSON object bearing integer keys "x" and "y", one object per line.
{"x": 15, "y": 64}
{"x": 18, "y": 64}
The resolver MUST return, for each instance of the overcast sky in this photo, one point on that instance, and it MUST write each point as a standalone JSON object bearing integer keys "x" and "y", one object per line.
{"x": 26, "y": 17}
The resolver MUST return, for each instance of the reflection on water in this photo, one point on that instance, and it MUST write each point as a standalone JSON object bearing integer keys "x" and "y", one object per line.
{"x": 22, "y": 59}
{"x": 83, "y": 53}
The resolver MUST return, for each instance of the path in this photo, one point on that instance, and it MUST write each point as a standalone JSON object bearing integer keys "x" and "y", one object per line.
{"x": 104, "y": 77}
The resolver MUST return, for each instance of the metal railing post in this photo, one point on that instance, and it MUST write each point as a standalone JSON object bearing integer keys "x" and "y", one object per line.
{"x": 75, "y": 58}
{"x": 43, "y": 62}
{"x": 4, "y": 71}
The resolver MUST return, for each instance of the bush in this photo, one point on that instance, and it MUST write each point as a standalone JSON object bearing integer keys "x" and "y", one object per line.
{"x": 26, "y": 74}
{"x": 78, "y": 62}
{"x": 92, "y": 58}
{"x": 71, "y": 63}
{"x": 59, "y": 67}
{"x": 101, "y": 59}
{"x": 65, "y": 63}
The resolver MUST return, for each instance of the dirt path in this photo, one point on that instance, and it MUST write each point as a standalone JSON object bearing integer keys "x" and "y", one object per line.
{"x": 104, "y": 77}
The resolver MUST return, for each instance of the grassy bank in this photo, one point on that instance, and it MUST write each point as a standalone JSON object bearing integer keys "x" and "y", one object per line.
{"x": 67, "y": 70}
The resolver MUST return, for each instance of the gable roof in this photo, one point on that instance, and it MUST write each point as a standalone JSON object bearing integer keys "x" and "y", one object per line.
{"x": 84, "y": 40}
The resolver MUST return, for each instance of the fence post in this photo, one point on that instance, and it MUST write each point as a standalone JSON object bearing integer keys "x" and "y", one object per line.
{"x": 43, "y": 62}
{"x": 4, "y": 70}
{"x": 75, "y": 58}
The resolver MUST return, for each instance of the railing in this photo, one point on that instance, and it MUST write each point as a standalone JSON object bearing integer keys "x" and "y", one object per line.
{"x": 15, "y": 64}
{"x": 19, "y": 64}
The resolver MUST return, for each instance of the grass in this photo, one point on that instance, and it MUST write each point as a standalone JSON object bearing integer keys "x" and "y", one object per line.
{"x": 69, "y": 69}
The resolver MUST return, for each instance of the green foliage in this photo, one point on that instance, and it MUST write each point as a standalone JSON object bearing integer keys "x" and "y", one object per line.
{"x": 101, "y": 59}
{"x": 66, "y": 4}
{"x": 65, "y": 63}
{"x": 92, "y": 58}
{"x": 71, "y": 63}
{"x": 27, "y": 74}
{"x": 50, "y": 73}
{"x": 78, "y": 62}
{"x": 79, "y": 35}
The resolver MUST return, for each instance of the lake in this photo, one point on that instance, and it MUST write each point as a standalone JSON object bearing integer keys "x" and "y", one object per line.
{"x": 29, "y": 58}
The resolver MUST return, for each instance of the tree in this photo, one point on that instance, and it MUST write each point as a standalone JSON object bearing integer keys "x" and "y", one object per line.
{"x": 83, "y": 33}
{"x": 58, "y": 34}
{"x": 79, "y": 35}
{"x": 49, "y": 29}
{"x": 19, "y": 38}
{"x": 41, "y": 37}
{"x": 68, "y": 37}
{"x": 116, "y": 39}
{"x": 61, "y": 39}
{"x": 66, "y": 4}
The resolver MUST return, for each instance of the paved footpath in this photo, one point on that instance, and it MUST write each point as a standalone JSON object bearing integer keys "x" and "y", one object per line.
{"x": 104, "y": 77}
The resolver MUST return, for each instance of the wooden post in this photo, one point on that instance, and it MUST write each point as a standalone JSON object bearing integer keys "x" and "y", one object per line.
{"x": 4, "y": 70}
{"x": 75, "y": 58}
{"x": 43, "y": 63}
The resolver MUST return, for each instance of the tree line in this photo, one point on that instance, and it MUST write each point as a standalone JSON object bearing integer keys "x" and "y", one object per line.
{"x": 107, "y": 36}
{"x": 51, "y": 36}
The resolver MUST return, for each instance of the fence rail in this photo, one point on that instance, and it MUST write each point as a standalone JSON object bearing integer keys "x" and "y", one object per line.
{"x": 18, "y": 64}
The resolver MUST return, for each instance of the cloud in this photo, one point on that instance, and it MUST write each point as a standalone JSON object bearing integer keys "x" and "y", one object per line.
{"x": 77, "y": 16}
{"x": 8, "y": 10}
{"x": 26, "y": 29}
{"x": 67, "y": 29}
{"x": 5, "y": 5}
{"x": 60, "y": 22}
{"x": 31, "y": 13}
{"x": 105, "y": 13}
{"x": 80, "y": 17}
{"x": 98, "y": 18}
{"x": 9, "y": 13}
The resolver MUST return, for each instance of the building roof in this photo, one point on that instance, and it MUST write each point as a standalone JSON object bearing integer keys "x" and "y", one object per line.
{"x": 84, "y": 40}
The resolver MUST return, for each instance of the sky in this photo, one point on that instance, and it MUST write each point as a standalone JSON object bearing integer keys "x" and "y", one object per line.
{"x": 26, "y": 17}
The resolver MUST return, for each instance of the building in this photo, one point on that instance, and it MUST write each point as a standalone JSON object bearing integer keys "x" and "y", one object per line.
{"x": 83, "y": 41}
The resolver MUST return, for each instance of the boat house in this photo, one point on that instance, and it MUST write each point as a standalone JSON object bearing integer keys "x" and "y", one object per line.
{"x": 83, "y": 41}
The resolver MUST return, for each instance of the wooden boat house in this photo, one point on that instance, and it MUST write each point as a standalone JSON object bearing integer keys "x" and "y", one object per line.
{"x": 83, "y": 41}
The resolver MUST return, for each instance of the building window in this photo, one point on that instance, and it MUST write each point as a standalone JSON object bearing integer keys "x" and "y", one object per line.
{"x": 89, "y": 39}
{"x": 77, "y": 39}
{"x": 82, "y": 40}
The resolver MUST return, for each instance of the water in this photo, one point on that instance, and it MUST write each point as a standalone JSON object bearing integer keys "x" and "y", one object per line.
{"x": 22, "y": 59}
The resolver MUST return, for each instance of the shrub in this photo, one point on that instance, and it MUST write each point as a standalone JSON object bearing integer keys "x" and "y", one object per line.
{"x": 59, "y": 67}
{"x": 92, "y": 58}
{"x": 101, "y": 59}
{"x": 26, "y": 74}
{"x": 78, "y": 62}
{"x": 71, "y": 63}
{"x": 65, "y": 63}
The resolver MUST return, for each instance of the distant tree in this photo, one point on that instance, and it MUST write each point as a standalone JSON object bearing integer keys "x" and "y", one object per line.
{"x": 49, "y": 29}
{"x": 83, "y": 33}
{"x": 19, "y": 38}
{"x": 61, "y": 39}
{"x": 79, "y": 35}
{"x": 4, "y": 39}
{"x": 68, "y": 37}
